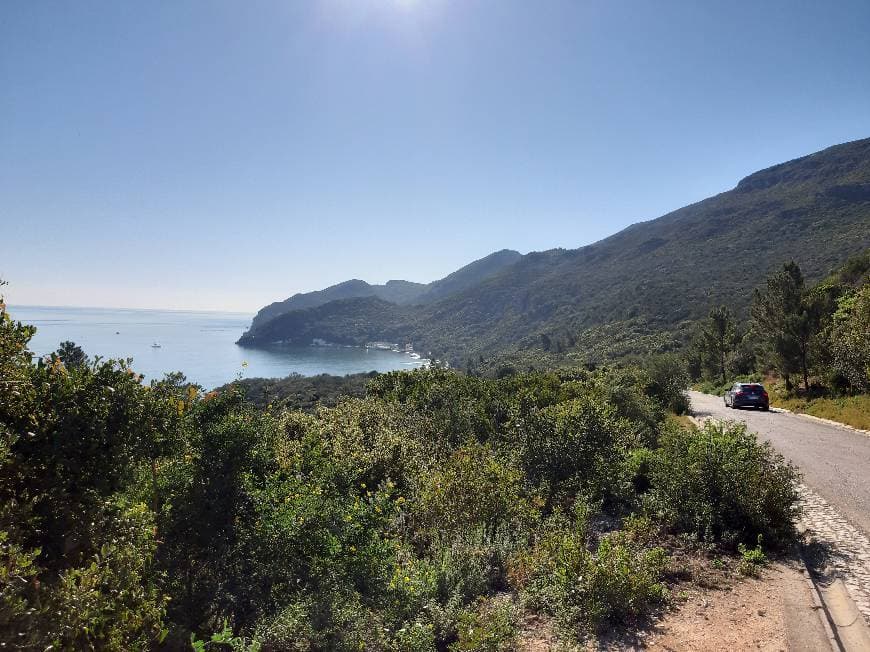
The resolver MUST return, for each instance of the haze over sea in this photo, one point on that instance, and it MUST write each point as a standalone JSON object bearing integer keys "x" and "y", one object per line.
{"x": 199, "y": 344}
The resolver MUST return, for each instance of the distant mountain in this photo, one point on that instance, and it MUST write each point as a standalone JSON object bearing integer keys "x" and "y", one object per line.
{"x": 649, "y": 278}
{"x": 399, "y": 292}
{"x": 392, "y": 291}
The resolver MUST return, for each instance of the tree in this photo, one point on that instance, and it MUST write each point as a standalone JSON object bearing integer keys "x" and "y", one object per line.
{"x": 72, "y": 355}
{"x": 668, "y": 380}
{"x": 849, "y": 339}
{"x": 789, "y": 320}
{"x": 717, "y": 338}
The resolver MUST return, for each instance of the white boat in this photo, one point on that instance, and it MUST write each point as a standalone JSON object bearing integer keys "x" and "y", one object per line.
{"x": 415, "y": 356}
{"x": 156, "y": 345}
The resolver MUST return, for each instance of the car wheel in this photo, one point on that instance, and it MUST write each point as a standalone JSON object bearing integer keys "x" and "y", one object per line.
{"x": 766, "y": 408}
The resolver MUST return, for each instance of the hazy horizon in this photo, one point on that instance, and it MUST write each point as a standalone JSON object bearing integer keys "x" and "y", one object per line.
{"x": 219, "y": 157}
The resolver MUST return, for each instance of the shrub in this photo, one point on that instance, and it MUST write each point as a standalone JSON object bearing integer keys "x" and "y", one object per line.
{"x": 668, "y": 379}
{"x": 473, "y": 490}
{"x": 585, "y": 590}
{"x": 720, "y": 484}
{"x": 751, "y": 559}
{"x": 459, "y": 406}
{"x": 415, "y": 637}
{"x": 290, "y": 629}
{"x": 18, "y": 614}
{"x": 489, "y": 627}
{"x": 331, "y": 618}
{"x": 112, "y": 600}
{"x": 224, "y": 640}
{"x": 576, "y": 447}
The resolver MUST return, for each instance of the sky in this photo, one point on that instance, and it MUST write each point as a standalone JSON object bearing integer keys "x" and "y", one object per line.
{"x": 221, "y": 155}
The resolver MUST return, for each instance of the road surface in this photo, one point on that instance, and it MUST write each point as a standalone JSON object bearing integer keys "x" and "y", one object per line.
{"x": 834, "y": 462}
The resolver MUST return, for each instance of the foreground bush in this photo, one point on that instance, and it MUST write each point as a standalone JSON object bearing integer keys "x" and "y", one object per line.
{"x": 720, "y": 484}
{"x": 587, "y": 587}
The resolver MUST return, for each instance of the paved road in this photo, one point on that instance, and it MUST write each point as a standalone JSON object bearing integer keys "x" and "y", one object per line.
{"x": 835, "y": 462}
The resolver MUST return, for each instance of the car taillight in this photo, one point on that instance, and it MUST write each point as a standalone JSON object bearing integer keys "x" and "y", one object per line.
{"x": 764, "y": 394}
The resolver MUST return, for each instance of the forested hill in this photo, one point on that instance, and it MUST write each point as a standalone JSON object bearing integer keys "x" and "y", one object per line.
{"x": 815, "y": 210}
{"x": 397, "y": 291}
{"x": 392, "y": 291}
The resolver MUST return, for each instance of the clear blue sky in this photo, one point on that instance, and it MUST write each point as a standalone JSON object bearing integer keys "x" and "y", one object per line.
{"x": 221, "y": 155}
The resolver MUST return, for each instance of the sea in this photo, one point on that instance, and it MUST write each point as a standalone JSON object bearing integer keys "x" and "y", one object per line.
{"x": 201, "y": 345}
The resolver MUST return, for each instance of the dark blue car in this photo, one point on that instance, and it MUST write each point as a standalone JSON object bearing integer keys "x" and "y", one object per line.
{"x": 747, "y": 395}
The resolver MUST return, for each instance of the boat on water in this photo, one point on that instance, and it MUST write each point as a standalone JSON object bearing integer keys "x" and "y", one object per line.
{"x": 415, "y": 356}
{"x": 156, "y": 345}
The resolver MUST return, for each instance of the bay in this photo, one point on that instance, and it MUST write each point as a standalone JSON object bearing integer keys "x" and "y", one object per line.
{"x": 201, "y": 345}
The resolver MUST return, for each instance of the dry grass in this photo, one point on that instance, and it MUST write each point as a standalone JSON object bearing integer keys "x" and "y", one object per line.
{"x": 683, "y": 420}
{"x": 851, "y": 410}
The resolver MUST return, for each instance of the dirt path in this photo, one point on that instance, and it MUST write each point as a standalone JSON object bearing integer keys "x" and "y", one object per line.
{"x": 772, "y": 612}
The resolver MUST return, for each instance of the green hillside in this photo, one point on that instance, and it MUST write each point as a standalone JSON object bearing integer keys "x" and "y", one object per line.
{"x": 395, "y": 291}
{"x": 392, "y": 291}
{"x": 653, "y": 275}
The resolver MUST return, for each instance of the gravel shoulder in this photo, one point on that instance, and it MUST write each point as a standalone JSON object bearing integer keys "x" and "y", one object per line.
{"x": 773, "y": 612}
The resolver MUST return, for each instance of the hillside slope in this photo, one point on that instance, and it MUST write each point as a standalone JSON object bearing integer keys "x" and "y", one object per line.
{"x": 469, "y": 276}
{"x": 815, "y": 210}
{"x": 397, "y": 291}
{"x": 392, "y": 291}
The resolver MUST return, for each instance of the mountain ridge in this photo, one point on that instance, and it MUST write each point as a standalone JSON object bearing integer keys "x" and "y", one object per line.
{"x": 665, "y": 271}
{"x": 394, "y": 291}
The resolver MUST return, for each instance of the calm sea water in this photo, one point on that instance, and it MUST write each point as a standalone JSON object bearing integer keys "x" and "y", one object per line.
{"x": 199, "y": 344}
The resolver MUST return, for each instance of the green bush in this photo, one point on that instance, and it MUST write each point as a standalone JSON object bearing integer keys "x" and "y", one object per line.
{"x": 415, "y": 637}
{"x": 720, "y": 484}
{"x": 18, "y": 614}
{"x": 113, "y": 600}
{"x": 491, "y": 626}
{"x": 585, "y": 588}
{"x": 576, "y": 447}
{"x": 751, "y": 559}
{"x": 473, "y": 489}
{"x": 668, "y": 379}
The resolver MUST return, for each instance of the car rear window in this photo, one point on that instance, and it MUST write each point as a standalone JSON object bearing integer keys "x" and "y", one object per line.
{"x": 753, "y": 387}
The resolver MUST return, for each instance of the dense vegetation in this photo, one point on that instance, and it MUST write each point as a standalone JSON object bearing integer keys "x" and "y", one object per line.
{"x": 305, "y": 393}
{"x": 424, "y": 516}
{"x": 642, "y": 287}
{"x": 818, "y": 335}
